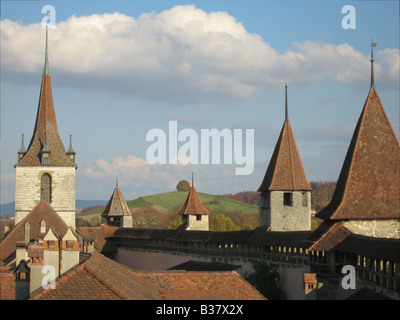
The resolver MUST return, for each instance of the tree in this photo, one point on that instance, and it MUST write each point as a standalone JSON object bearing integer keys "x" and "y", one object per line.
{"x": 175, "y": 224}
{"x": 183, "y": 185}
{"x": 220, "y": 222}
{"x": 265, "y": 278}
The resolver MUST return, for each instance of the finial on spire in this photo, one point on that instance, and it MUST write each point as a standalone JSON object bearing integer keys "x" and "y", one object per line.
{"x": 373, "y": 45}
{"x": 22, "y": 150}
{"x": 46, "y": 69}
{"x": 116, "y": 182}
{"x": 286, "y": 104}
{"x": 192, "y": 181}
{"x": 70, "y": 149}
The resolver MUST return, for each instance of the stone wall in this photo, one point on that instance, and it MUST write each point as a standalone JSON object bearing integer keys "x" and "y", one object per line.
{"x": 280, "y": 217}
{"x": 28, "y": 193}
{"x": 388, "y": 228}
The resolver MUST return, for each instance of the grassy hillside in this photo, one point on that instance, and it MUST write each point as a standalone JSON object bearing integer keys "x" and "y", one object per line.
{"x": 171, "y": 200}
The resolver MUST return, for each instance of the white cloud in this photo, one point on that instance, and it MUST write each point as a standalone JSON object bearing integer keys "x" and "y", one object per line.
{"x": 180, "y": 53}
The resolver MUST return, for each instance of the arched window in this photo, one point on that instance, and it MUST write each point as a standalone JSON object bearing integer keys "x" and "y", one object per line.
{"x": 45, "y": 188}
{"x": 43, "y": 226}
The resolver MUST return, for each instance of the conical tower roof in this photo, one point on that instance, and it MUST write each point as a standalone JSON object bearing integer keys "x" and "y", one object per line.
{"x": 285, "y": 171}
{"x": 116, "y": 206}
{"x": 46, "y": 128}
{"x": 193, "y": 205}
{"x": 369, "y": 182}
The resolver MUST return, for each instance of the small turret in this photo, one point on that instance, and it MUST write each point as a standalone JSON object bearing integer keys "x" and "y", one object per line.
{"x": 22, "y": 150}
{"x": 45, "y": 153}
{"x": 70, "y": 152}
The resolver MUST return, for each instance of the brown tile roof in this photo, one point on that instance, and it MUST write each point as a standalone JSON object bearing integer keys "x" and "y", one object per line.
{"x": 98, "y": 234}
{"x": 100, "y": 278}
{"x": 43, "y": 211}
{"x": 328, "y": 235}
{"x": 201, "y": 286}
{"x": 7, "y": 284}
{"x": 193, "y": 205}
{"x": 46, "y": 129}
{"x": 116, "y": 206}
{"x": 369, "y": 182}
{"x": 285, "y": 171}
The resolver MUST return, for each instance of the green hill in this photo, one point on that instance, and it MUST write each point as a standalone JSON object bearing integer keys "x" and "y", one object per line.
{"x": 171, "y": 200}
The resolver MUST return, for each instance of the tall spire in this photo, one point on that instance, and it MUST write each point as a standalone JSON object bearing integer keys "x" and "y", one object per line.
{"x": 373, "y": 44}
{"x": 46, "y": 123}
{"x": 285, "y": 170}
{"x": 369, "y": 182}
{"x": 286, "y": 105}
{"x": 46, "y": 69}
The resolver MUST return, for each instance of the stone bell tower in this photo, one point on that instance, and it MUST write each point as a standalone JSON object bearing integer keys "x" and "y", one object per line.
{"x": 46, "y": 171}
{"x": 285, "y": 199}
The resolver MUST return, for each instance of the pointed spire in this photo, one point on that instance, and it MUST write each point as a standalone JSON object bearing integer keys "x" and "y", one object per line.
{"x": 286, "y": 105}
{"x": 368, "y": 184}
{"x": 46, "y": 123}
{"x": 193, "y": 205}
{"x": 70, "y": 149}
{"x": 373, "y": 44}
{"x": 22, "y": 149}
{"x": 46, "y": 69}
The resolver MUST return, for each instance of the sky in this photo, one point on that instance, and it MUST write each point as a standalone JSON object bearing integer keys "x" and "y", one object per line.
{"x": 121, "y": 70}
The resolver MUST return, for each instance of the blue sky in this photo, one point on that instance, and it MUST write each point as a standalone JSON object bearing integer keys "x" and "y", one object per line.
{"x": 122, "y": 68}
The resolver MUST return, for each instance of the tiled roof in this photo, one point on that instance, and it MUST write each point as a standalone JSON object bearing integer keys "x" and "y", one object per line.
{"x": 193, "y": 205}
{"x": 43, "y": 211}
{"x": 205, "y": 266}
{"x": 46, "y": 129}
{"x": 99, "y": 235}
{"x": 328, "y": 235}
{"x": 369, "y": 182}
{"x": 116, "y": 206}
{"x": 100, "y": 278}
{"x": 7, "y": 284}
{"x": 201, "y": 286}
{"x": 285, "y": 171}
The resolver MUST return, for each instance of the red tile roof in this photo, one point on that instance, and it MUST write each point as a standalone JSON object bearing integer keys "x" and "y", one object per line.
{"x": 100, "y": 278}
{"x": 369, "y": 182}
{"x": 7, "y": 284}
{"x": 43, "y": 211}
{"x": 193, "y": 205}
{"x": 201, "y": 286}
{"x": 285, "y": 171}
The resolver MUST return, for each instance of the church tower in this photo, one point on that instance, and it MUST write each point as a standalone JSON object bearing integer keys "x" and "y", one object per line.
{"x": 45, "y": 171}
{"x": 285, "y": 199}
